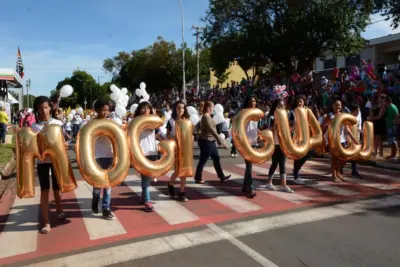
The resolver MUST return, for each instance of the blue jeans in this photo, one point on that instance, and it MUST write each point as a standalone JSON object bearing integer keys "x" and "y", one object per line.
{"x": 208, "y": 149}
{"x": 3, "y": 132}
{"x": 146, "y": 182}
{"x": 104, "y": 163}
{"x": 248, "y": 178}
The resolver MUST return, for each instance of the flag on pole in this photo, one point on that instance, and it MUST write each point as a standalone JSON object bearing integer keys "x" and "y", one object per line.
{"x": 20, "y": 65}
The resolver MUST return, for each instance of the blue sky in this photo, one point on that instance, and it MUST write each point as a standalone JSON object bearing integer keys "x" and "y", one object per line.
{"x": 57, "y": 36}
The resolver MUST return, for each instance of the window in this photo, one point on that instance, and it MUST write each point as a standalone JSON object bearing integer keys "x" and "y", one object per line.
{"x": 330, "y": 63}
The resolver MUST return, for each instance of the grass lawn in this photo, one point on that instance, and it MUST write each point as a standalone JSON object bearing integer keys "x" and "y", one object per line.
{"x": 6, "y": 150}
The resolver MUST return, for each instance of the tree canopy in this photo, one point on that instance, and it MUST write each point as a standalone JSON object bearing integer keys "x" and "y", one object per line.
{"x": 253, "y": 32}
{"x": 85, "y": 86}
{"x": 158, "y": 65}
{"x": 389, "y": 9}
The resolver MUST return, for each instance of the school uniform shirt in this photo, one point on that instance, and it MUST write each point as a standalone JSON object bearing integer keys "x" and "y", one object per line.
{"x": 148, "y": 143}
{"x": 103, "y": 148}
{"x": 67, "y": 126}
{"x": 252, "y": 132}
{"x": 171, "y": 126}
{"x": 38, "y": 126}
{"x": 342, "y": 134}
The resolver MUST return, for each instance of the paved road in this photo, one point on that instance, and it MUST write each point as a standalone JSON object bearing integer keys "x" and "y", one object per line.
{"x": 322, "y": 224}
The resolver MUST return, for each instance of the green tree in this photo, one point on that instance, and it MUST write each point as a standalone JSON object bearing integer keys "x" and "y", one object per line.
{"x": 253, "y": 32}
{"x": 158, "y": 65}
{"x": 389, "y": 9}
{"x": 85, "y": 87}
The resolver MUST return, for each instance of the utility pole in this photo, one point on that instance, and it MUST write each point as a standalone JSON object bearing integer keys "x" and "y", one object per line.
{"x": 197, "y": 34}
{"x": 183, "y": 52}
{"x": 28, "y": 85}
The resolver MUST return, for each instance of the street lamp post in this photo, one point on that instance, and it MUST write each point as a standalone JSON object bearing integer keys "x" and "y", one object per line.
{"x": 28, "y": 85}
{"x": 197, "y": 34}
{"x": 183, "y": 52}
{"x": 85, "y": 102}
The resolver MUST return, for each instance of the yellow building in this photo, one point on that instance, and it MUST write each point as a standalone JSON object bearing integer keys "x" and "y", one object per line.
{"x": 236, "y": 74}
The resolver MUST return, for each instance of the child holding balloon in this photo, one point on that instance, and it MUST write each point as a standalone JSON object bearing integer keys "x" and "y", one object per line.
{"x": 148, "y": 145}
{"x": 178, "y": 113}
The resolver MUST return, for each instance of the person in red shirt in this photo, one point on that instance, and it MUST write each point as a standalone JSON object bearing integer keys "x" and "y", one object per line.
{"x": 335, "y": 74}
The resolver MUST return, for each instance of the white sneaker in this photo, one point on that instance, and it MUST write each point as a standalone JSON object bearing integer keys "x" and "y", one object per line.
{"x": 233, "y": 155}
{"x": 271, "y": 187}
{"x": 299, "y": 181}
{"x": 236, "y": 155}
{"x": 287, "y": 189}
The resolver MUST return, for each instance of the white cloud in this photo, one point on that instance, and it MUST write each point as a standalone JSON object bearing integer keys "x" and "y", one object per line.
{"x": 380, "y": 28}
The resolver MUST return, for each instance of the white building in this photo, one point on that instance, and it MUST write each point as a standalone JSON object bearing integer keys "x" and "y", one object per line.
{"x": 386, "y": 48}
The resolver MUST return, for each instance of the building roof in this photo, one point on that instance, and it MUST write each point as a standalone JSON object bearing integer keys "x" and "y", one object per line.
{"x": 385, "y": 39}
{"x": 11, "y": 77}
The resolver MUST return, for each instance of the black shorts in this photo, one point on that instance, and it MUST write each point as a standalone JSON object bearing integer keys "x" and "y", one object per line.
{"x": 43, "y": 170}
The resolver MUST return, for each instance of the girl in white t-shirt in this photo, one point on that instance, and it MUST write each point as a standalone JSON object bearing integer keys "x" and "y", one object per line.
{"x": 43, "y": 111}
{"x": 148, "y": 145}
{"x": 178, "y": 113}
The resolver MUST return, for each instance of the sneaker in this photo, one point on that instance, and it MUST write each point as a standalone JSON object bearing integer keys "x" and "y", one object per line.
{"x": 287, "y": 189}
{"x": 299, "y": 181}
{"x": 271, "y": 187}
{"x": 95, "y": 206}
{"x": 356, "y": 175}
{"x": 171, "y": 190}
{"x": 108, "y": 215}
{"x": 182, "y": 197}
{"x": 233, "y": 155}
{"x": 251, "y": 194}
{"x": 62, "y": 216}
{"x": 236, "y": 155}
{"x": 148, "y": 206}
{"x": 226, "y": 177}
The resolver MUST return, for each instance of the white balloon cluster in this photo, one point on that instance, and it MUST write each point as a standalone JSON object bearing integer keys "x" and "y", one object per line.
{"x": 121, "y": 98}
{"x": 219, "y": 114}
{"x": 194, "y": 115}
{"x": 141, "y": 92}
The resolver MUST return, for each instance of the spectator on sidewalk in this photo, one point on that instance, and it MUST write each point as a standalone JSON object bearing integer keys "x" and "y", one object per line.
{"x": 3, "y": 124}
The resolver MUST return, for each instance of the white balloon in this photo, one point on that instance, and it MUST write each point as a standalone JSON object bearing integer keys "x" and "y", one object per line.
{"x": 142, "y": 100}
{"x": 191, "y": 110}
{"x": 125, "y": 98}
{"x": 114, "y": 88}
{"x": 219, "y": 108}
{"x": 118, "y": 121}
{"x": 219, "y": 118}
{"x": 113, "y": 96}
{"x": 142, "y": 86}
{"x": 146, "y": 97}
{"x": 66, "y": 90}
{"x": 133, "y": 108}
{"x": 70, "y": 117}
{"x": 88, "y": 117}
{"x": 138, "y": 92}
{"x": 221, "y": 136}
{"x": 195, "y": 119}
{"x": 120, "y": 110}
{"x": 80, "y": 110}
{"x": 73, "y": 112}
{"x": 124, "y": 91}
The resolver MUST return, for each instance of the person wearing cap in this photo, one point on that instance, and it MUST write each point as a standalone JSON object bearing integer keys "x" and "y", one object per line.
{"x": 3, "y": 124}
{"x": 28, "y": 120}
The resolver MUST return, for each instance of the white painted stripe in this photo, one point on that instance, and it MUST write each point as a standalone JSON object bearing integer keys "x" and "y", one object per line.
{"x": 170, "y": 210}
{"x": 156, "y": 246}
{"x": 291, "y": 197}
{"x": 243, "y": 247}
{"x": 96, "y": 226}
{"x": 14, "y": 239}
{"x": 233, "y": 202}
{"x": 328, "y": 187}
{"x": 366, "y": 183}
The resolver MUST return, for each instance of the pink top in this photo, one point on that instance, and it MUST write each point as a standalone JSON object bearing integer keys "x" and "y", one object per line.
{"x": 28, "y": 121}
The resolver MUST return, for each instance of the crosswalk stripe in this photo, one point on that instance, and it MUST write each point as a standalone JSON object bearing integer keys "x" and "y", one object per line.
{"x": 293, "y": 197}
{"x": 233, "y": 202}
{"x": 170, "y": 210}
{"x": 19, "y": 235}
{"x": 375, "y": 185}
{"x": 326, "y": 186}
{"x": 96, "y": 226}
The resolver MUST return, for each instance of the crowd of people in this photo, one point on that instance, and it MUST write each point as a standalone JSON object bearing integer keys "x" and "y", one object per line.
{"x": 373, "y": 103}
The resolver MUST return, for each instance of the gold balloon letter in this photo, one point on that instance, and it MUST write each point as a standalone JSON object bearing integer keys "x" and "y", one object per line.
{"x": 334, "y": 132}
{"x": 317, "y": 137}
{"x": 184, "y": 137}
{"x": 138, "y": 159}
{"x": 368, "y": 140}
{"x": 298, "y": 148}
{"x": 85, "y": 153}
{"x": 241, "y": 141}
{"x": 48, "y": 142}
